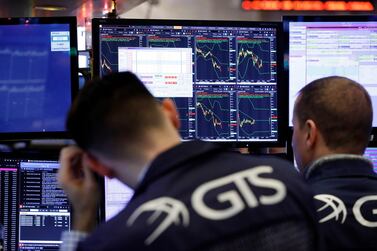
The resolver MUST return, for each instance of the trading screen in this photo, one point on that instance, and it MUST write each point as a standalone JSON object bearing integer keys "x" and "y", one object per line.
{"x": 34, "y": 211}
{"x": 223, "y": 79}
{"x": 35, "y": 77}
{"x": 371, "y": 154}
{"x": 117, "y": 196}
{"x": 321, "y": 49}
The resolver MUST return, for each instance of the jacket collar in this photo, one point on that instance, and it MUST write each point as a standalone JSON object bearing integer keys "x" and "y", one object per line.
{"x": 175, "y": 156}
{"x": 338, "y": 165}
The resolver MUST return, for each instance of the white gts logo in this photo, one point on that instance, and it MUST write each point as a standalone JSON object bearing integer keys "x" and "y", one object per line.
{"x": 177, "y": 213}
{"x": 338, "y": 209}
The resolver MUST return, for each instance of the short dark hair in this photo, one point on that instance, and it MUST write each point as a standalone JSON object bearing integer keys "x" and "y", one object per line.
{"x": 112, "y": 111}
{"x": 341, "y": 109}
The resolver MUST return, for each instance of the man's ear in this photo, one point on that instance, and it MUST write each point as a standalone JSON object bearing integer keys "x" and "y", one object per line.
{"x": 311, "y": 131}
{"x": 170, "y": 108}
{"x": 97, "y": 166}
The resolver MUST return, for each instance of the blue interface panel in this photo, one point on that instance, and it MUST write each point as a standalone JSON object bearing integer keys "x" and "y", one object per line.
{"x": 223, "y": 79}
{"x": 35, "y": 77}
{"x": 371, "y": 153}
{"x": 34, "y": 209}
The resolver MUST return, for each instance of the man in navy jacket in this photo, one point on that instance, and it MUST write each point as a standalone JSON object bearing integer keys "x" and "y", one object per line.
{"x": 332, "y": 123}
{"x": 188, "y": 196}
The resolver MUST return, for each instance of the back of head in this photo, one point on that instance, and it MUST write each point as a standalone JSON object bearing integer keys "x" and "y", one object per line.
{"x": 342, "y": 111}
{"x": 112, "y": 114}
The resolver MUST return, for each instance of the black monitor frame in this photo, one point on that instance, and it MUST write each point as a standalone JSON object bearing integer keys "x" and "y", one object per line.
{"x": 316, "y": 18}
{"x": 281, "y": 87}
{"x": 32, "y": 155}
{"x": 72, "y": 22}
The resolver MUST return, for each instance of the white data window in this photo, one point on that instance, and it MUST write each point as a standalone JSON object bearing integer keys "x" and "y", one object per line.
{"x": 322, "y": 49}
{"x": 60, "y": 41}
{"x": 117, "y": 195}
{"x": 166, "y": 72}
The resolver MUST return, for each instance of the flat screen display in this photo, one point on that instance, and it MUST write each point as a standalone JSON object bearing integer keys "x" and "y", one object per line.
{"x": 371, "y": 153}
{"x": 117, "y": 196}
{"x": 84, "y": 59}
{"x": 224, "y": 77}
{"x": 328, "y": 46}
{"x": 34, "y": 209}
{"x": 38, "y": 73}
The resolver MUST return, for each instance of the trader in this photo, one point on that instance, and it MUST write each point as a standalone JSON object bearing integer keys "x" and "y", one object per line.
{"x": 188, "y": 196}
{"x": 332, "y": 123}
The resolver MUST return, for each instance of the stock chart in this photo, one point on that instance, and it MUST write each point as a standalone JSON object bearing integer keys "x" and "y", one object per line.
{"x": 167, "y": 42}
{"x": 213, "y": 115}
{"x": 182, "y": 105}
{"x": 212, "y": 59}
{"x": 109, "y": 49}
{"x": 253, "y": 59}
{"x": 254, "y": 114}
{"x": 231, "y": 72}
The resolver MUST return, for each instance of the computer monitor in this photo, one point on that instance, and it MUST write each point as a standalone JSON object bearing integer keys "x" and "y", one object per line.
{"x": 117, "y": 196}
{"x": 371, "y": 153}
{"x": 223, "y": 76}
{"x": 321, "y": 46}
{"x": 34, "y": 210}
{"x": 84, "y": 59}
{"x": 81, "y": 38}
{"x": 38, "y": 75}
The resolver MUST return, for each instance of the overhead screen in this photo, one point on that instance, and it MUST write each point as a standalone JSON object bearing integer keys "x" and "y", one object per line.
{"x": 34, "y": 211}
{"x": 38, "y": 75}
{"x": 223, "y": 76}
{"x": 327, "y": 46}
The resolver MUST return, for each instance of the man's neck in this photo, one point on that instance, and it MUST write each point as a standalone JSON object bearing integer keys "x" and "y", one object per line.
{"x": 130, "y": 171}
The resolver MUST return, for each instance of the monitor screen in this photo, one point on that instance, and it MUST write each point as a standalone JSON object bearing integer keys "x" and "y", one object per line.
{"x": 327, "y": 46}
{"x": 371, "y": 153}
{"x": 34, "y": 211}
{"x": 84, "y": 59}
{"x": 224, "y": 77}
{"x": 38, "y": 75}
{"x": 81, "y": 38}
{"x": 117, "y": 196}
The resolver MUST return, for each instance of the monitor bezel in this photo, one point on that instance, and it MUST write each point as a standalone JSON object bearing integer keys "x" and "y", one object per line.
{"x": 281, "y": 87}
{"x": 72, "y": 22}
{"x": 318, "y": 18}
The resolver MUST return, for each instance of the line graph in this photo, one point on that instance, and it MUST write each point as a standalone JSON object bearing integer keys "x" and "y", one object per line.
{"x": 213, "y": 115}
{"x": 23, "y": 77}
{"x": 109, "y": 51}
{"x": 182, "y": 105}
{"x": 33, "y": 64}
{"x": 212, "y": 59}
{"x": 253, "y": 60}
{"x": 183, "y": 110}
{"x": 254, "y": 115}
{"x": 167, "y": 42}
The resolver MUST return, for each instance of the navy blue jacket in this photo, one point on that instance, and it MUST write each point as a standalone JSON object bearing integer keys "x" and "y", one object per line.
{"x": 198, "y": 195}
{"x": 345, "y": 189}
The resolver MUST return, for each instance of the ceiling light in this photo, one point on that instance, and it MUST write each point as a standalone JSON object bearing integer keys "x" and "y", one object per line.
{"x": 50, "y": 7}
